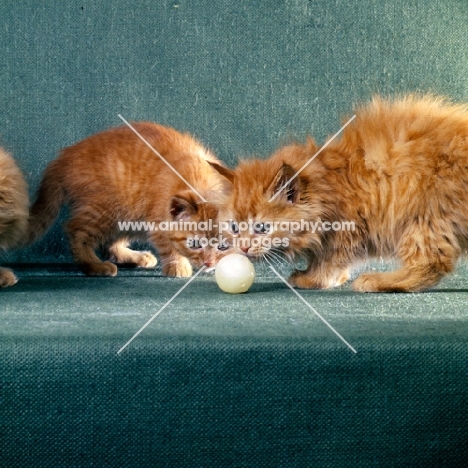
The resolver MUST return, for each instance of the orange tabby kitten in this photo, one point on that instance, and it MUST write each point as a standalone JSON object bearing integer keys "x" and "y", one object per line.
{"x": 13, "y": 211}
{"x": 114, "y": 177}
{"x": 398, "y": 175}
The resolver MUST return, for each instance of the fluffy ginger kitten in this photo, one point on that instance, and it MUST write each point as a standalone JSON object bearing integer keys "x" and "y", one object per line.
{"x": 13, "y": 211}
{"x": 113, "y": 177}
{"x": 399, "y": 173}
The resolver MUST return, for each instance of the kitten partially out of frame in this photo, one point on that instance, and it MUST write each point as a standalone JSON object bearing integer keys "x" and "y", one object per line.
{"x": 398, "y": 175}
{"x": 13, "y": 211}
{"x": 114, "y": 177}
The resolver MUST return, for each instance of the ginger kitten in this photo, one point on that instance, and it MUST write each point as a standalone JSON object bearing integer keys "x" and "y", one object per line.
{"x": 113, "y": 177}
{"x": 13, "y": 211}
{"x": 398, "y": 176}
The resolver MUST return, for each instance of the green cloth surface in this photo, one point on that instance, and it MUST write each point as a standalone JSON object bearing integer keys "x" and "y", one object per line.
{"x": 254, "y": 380}
{"x": 245, "y": 380}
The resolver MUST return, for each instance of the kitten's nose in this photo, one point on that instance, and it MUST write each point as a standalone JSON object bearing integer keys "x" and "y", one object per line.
{"x": 244, "y": 249}
{"x": 208, "y": 263}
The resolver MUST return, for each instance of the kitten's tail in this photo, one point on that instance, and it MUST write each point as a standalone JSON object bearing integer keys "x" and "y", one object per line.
{"x": 46, "y": 208}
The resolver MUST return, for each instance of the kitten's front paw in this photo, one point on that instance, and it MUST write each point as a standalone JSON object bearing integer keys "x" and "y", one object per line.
{"x": 99, "y": 269}
{"x": 302, "y": 280}
{"x": 180, "y": 268}
{"x": 367, "y": 282}
{"x": 146, "y": 260}
{"x": 7, "y": 278}
{"x": 396, "y": 282}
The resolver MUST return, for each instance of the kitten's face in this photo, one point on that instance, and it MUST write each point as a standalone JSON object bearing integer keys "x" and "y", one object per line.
{"x": 263, "y": 216}
{"x": 198, "y": 236}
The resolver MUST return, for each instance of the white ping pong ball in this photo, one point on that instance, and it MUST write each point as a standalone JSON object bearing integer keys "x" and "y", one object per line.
{"x": 234, "y": 273}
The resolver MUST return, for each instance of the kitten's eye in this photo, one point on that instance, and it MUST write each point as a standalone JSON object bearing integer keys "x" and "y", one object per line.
{"x": 194, "y": 243}
{"x": 234, "y": 227}
{"x": 261, "y": 228}
{"x": 223, "y": 245}
{"x": 290, "y": 194}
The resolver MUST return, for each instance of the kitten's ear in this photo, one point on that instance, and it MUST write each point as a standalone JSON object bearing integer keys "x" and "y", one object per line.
{"x": 183, "y": 206}
{"x": 224, "y": 171}
{"x": 288, "y": 193}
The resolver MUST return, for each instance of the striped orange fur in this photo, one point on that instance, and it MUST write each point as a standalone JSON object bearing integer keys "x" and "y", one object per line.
{"x": 114, "y": 176}
{"x": 399, "y": 172}
{"x": 13, "y": 210}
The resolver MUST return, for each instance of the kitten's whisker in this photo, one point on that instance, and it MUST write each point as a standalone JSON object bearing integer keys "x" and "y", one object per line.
{"x": 276, "y": 255}
{"x": 280, "y": 259}
{"x": 270, "y": 259}
{"x": 265, "y": 262}
{"x": 285, "y": 257}
{"x": 262, "y": 262}
{"x": 273, "y": 258}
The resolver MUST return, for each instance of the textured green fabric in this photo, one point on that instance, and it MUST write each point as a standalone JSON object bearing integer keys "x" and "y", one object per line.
{"x": 243, "y": 76}
{"x": 246, "y": 380}
{"x": 255, "y": 380}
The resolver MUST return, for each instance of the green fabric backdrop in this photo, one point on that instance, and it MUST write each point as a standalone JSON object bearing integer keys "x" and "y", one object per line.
{"x": 242, "y": 76}
{"x": 254, "y": 380}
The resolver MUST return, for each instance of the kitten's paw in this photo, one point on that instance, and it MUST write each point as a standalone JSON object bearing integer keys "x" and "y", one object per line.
{"x": 342, "y": 278}
{"x": 7, "y": 278}
{"x": 400, "y": 281}
{"x": 180, "y": 268}
{"x": 146, "y": 259}
{"x": 133, "y": 258}
{"x": 301, "y": 280}
{"x": 370, "y": 282}
{"x": 99, "y": 269}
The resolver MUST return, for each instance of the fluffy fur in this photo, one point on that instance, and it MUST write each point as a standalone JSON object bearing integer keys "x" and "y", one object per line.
{"x": 13, "y": 211}
{"x": 114, "y": 176}
{"x": 399, "y": 172}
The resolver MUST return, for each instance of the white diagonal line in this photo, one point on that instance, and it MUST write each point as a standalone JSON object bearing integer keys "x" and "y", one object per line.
{"x": 161, "y": 309}
{"x": 312, "y": 158}
{"x": 312, "y": 309}
{"x": 158, "y": 154}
